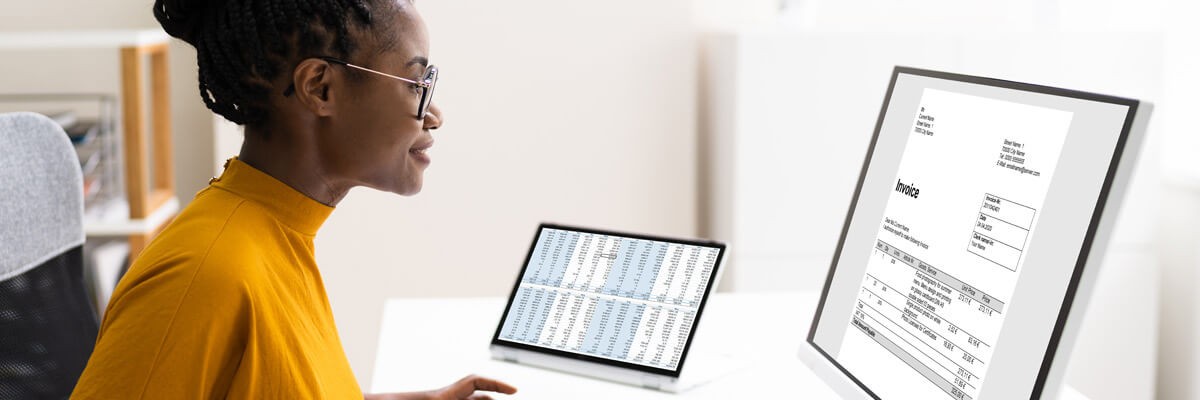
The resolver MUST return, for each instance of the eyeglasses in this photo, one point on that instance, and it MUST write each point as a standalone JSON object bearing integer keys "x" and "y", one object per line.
{"x": 427, "y": 82}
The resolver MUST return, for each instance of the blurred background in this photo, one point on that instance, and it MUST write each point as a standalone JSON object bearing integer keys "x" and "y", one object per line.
{"x": 744, "y": 121}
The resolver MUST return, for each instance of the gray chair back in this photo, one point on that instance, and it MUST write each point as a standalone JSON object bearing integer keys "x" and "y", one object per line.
{"x": 41, "y": 192}
{"x": 47, "y": 326}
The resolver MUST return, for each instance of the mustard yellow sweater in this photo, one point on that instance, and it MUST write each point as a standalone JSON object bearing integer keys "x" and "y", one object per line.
{"x": 226, "y": 303}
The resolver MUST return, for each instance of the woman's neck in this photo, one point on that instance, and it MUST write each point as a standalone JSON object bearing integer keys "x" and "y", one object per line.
{"x": 293, "y": 161}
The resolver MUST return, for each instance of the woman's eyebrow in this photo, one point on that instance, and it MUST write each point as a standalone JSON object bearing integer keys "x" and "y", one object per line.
{"x": 417, "y": 60}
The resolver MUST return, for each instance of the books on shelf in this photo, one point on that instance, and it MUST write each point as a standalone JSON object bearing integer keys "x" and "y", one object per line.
{"x": 89, "y": 122}
{"x": 63, "y": 118}
{"x": 93, "y": 154}
{"x": 82, "y": 131}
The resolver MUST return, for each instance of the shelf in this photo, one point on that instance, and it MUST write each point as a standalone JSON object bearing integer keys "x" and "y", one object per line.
{"x": 103, "y": 226}
{"x": 150, "y": 203}
{"x": 49, "y": 40}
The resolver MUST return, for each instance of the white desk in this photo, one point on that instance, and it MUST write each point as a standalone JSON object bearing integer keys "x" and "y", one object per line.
{"x": 428, "y": 343}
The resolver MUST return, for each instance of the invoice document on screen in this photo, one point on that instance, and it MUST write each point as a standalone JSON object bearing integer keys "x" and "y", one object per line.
{"x": 950, "y": 248}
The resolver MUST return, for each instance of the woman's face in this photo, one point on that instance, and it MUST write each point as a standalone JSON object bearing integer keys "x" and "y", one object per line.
{"x": 377, "y": 140}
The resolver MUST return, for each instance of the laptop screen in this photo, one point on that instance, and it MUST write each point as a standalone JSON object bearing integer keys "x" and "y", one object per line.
{"x": 614, "y": 298}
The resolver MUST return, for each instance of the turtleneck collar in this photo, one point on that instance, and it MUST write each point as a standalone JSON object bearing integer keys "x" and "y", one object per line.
{"x": 289, "y": 206}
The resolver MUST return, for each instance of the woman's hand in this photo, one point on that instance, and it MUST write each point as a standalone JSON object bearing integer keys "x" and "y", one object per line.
{"x": 464, "y": 389}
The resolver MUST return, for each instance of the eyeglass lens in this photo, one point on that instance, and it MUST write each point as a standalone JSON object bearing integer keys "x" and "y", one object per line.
{"x": 430, "y": 76}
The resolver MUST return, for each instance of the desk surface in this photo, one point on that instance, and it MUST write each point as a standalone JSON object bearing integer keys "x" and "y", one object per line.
{"x": 764, "y": 349}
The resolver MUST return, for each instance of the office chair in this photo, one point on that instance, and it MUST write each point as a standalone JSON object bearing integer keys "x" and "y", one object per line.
{"x": 47, "y": 326}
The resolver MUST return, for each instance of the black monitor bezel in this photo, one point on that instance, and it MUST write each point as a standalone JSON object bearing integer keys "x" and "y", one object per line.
{"x": 1085, "y": 250}
{"x": 712, "y": 280}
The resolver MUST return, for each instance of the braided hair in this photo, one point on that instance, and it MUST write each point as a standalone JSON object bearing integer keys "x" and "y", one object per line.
{"x": 243, "y": 45}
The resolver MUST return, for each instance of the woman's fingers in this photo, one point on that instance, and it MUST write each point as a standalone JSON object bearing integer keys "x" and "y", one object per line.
{"x": 492, "y": 385}
{"x": 465, "y": 388}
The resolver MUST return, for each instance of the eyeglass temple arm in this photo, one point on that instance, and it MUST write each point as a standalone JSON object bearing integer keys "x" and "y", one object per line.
{"x": 336, "y": 61}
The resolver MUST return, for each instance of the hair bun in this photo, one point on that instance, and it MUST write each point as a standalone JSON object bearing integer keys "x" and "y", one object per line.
{"x": 182, "y": 18}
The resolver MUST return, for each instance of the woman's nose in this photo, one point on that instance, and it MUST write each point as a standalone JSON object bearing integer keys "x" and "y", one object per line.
{"x": 433, "y": 117}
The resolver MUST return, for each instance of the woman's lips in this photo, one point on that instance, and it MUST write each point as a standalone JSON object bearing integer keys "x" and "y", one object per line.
{"x": 419, "y": 153}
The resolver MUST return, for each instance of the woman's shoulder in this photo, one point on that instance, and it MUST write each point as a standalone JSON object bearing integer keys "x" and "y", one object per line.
{"x": 213, "y": 239}
{"x": 216, "y": 214}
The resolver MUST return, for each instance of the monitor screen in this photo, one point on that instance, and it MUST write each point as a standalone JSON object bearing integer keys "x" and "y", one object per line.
{"x": 971, "y": 222}
{"x": 614, "y": 298}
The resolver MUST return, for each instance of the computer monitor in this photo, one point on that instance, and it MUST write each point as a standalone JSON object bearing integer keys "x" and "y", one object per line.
{"x": 972, "y": 239}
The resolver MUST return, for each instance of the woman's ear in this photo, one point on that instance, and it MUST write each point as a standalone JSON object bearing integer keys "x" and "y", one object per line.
{"x": 313, "y": 79}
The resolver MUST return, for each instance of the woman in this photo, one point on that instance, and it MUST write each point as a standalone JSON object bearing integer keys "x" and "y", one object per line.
{"x": 227, "y": 302}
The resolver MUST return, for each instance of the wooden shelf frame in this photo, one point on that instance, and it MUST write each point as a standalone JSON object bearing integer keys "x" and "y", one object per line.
{"x": 145, "y": 196}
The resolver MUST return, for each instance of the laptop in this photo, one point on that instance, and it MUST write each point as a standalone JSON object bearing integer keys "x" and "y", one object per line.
{"x": 973, "y": 239}
{"x": 616, "y": 306}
